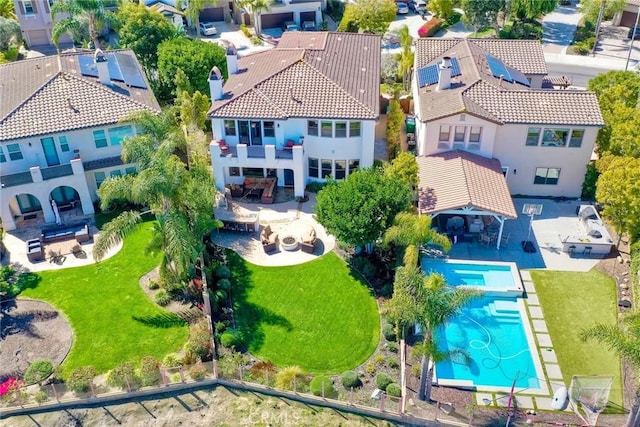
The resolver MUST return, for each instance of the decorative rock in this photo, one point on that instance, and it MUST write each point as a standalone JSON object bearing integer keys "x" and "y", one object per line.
{"x": 624, "y": 293}
{"x": 624, "y": 286}
{"x": 619, "y": 259}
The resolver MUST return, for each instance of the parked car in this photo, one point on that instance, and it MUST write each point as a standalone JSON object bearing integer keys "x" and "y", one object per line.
{"x": 290, "y": 26}
{"x": 418, "y": 6}
{"x": 403, "y": 9}
{"x": 634, "y": 33}
{"x": 208, "y": 29}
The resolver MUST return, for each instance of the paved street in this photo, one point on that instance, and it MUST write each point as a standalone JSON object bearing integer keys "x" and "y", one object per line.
{"x": 558, "y": 28}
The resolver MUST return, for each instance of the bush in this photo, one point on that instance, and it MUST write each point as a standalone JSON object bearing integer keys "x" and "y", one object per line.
{"x": 153, "y": 285}
{"x": 383, "y": 380}
{"x": 41, "y": 397}
{"x": 590, "y": 181}
{"x": 389, "y": 332}
{"x": 224, "y": 284}
{"x": 430, "y": 28}
{"x": 416, "y": 370}
{"x": 263, "y": 372}
{"x": 394, "y": 390}
{"x": 370, "y": 368}
{"x": 350, "y": 379}
{"x": 392, "y": 362}
{"x": 38, "y": 371}
{"x": 199, "y": 342}
{"x": 245, "y": 31}
{"x": 172, "y": 360}
{"x": 197, "y": 372}
{"x": 584, "y": 47}
{"x": 316, "y": 186}
{"x": 123, "y": 376}
{"x": 231, "y": 339}
{"x": 290, "y": 377}
{"x": 80, "y": 379}
{"x": 379, "y": 359}
{"x": 320, "y": 381}
{"x": 223, "y": 272}
{"x": 163, "y": 298}
{"x": 149, "y": 371}
{"x": 391, "y": 346}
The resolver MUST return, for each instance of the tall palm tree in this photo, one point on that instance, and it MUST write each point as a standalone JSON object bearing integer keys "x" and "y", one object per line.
{"x": 192, "y": 9}
{"x": 7, "y": 10}
{"x": 93, "y": 12}
{"x": 256, "y": 7}
{"x": 624, "y": 340}
{"x": 438, "y": 303}
{"x": 406, "y": 56}
{"x": 410, "y": 230}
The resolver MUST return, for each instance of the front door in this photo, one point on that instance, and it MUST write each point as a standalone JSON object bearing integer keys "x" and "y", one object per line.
{"x": 288, "y": 178}
{"x": 256, "y": 133}
{"x": 50, "y": 152}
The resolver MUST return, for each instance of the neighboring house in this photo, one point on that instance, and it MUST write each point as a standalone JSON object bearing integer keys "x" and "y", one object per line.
{"x": 167, "y": 8}
{"x": 297, "y": 11}
{"x": 61, "y": 130}
{"x": 36, "y": 22}
{"x": 627, "y": 18}
{"x": 487, "y": 128}
{"x": 300, "y": 112}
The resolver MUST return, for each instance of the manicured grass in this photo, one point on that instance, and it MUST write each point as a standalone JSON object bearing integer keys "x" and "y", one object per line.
{"x": 112, "y": 318}
{"x": 315, "y": 315}
{"x": 570, "y": 302}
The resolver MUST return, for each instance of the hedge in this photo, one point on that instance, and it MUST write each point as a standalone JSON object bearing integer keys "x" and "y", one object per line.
{"x": 430, "y": 28}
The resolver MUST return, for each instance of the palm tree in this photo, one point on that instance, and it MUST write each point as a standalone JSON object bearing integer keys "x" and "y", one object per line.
{"x": 93, "y": 12}
{"x": 413, "y": 231}
{"x": 256, "y": 7}
{"x": 438, "y": 303}
{"x": 7, "y": 10}
{"x": 406, "y": 56}
{"x": 193, "y": 9}
{"x": 624, "y": 340}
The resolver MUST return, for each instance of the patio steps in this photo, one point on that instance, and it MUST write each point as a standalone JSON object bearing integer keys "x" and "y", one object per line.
{"x": 503, "y": 308}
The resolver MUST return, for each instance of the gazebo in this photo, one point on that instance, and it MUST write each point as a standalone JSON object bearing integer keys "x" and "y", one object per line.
{"x": 464, "y": 184}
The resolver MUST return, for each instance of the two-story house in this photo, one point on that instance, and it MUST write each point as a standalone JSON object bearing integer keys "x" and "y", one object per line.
{"x": 61, "y": 132}
{"x": 297, "y": 11}
{"x": 36, "y": 22}
{"x": 300, "y": 112}
{"x": 485, "y": 120}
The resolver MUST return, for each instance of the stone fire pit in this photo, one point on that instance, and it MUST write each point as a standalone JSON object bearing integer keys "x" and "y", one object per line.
{"x": 289, "y": 243}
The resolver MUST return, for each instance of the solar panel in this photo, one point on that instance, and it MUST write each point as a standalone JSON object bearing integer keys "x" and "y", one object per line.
{"x": 455, "y": 67}
{"x": 498, "y": 68}
{"x": 87, "y": 67}
{"x": 518, "y": 76}
{"x": 427, "y": 75}
{"x": 130, "y": 71}
{"x": 114, "y": 69}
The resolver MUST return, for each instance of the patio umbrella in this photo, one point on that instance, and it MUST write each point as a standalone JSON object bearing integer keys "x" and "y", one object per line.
{"x": 56, "y": 212}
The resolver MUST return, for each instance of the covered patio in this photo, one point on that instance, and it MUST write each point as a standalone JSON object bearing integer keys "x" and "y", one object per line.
{"x": 466, "y": 195}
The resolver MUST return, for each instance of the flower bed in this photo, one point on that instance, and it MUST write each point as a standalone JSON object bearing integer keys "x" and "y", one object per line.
{"x": 430, "y": 28}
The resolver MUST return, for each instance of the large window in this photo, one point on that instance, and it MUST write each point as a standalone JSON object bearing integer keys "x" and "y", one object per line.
{"x": 576, "y": 138}
{"x": 130, "y": 170}
{"x": 99, "y": 138}
{"x": 14, "y": 151}
{"x": 354, "y": 129}
{"x": 269, "y": 129}
{"x": 254, "y": 172}
{"x": 313, "y": 168}
{"x": 341, "y": 129}
{"x": 116, "y": 135}
{"x": 2, "y": 156}
{"x": 443, "y": 137}
{"x": 115, "y": 173}
{"x": 100, "y": 177}
{"x": 547, "y": 176}
{"x": 354, "y": 165}
{"x": 230, "y": 128}
{"x": 533, "y": 137}
{"x": 29, "y": 8}
{"x": 555, "y": 137}
{"x": 326, "y": 168}
{"x": 458, "y": 135}
{"x": 64, "y": 144}
{"x": 475, "y": 132}
{"x": 234, "y": 171}
{"x": 312, "y": 127}
{"x": 341, "y": 169}
{"x": 326, "y": 129}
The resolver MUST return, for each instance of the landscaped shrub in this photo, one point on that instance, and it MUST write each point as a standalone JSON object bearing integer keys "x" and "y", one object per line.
{"x": 263, "y": 372}
{"x": 41, "y": 396}
{"x": 199, "y": 341}
{"x": 320, "y": 384}
{"x": 153, "y": 285}
{"x": 172, "y": 360}
{"x": 383, "y": 380}
{"x": 80, "y": 379}
{"x": 163, "y": 298}
{"x": 231, "y": 338}
{"x": 392, "y": 346}
{"x": 430, "y": 28}
{"x": 315, "y": 186}
{"x": 370, "y": 368}
{"x": 230, "y": 362}
{"x": 350, "y": 379}
{"x": 197, "y": 372}
{"x": 224, "y": 284}
{"x": 394, "y": 390}
{"x": 223, "y": 272}
{"x": 389, "y": 332}
{"x": 416, "y": 370}
{"x": 290, "y": 378}
{"x": 123, "y": 376}
{"x": 392, "y": 362}
{"x": 590, "y": 181}
{"x": 149, "y": 371}
{"x": 245, "y": 31}
{"x": 379, "y": 359}
{"x": 38, "y": 371}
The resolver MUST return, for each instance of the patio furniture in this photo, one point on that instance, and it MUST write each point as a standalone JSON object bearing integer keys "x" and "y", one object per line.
{"x": 308, "y": 240}
{"x": 289, "y": 144}
{"x": 505, "y": 239}
{"x": 269, "y": 239}
{"x": 223, "y": 145}
{"x": 34, "y": 250}
{"x": 572, "y": 250}
{"x": 587, "y": 250}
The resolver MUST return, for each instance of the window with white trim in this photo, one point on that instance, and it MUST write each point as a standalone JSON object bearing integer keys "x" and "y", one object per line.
{"x": 100, "y": 138}
{"x": 475, "y": 133}
{"x": 576, "y": 138}
{"x": 341, "y": 129}
{"x": 354, "y": 165}
{"x": 130, "y": 170}
{"x": 555, "y": 138}
{"x": 533, "y": 137}
{"x": 14, "y": 151}
{"x": 354, "y": 129}
{"x": 2, "y": 156}
{"x": 269, "y": 129}
{"x": 313, "y": 168}
{"x": 326, "y": 129}
{"x": 341, "y": 169}
{"x": 548, "y": 176}
{"x": 444, "y": 136}
{"x": 327, "y": 167}
{"x": 312, "y": 127}
{"x": 229, "y": 127}
{"x": 29, "y": 9}
{"x": 115, "y": 173}
{"x": 100, "y": 178}
{"x": 118, "y": 134}
{"x": 64, "y": 144}
{"x": 458, "y": 136}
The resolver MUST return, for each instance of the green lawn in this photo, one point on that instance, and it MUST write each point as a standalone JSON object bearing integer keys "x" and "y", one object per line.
{"x": 112, "y": 318}
{"x": 571, "y": 301}
{"x": 316, "y": 315}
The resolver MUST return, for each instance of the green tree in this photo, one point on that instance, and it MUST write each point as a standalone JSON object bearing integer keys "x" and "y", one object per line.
{"x": 193, "y": 9}
{"x": 395, "y": 121}
{"x": 482, "y": 14}
{"x": 618, "y": 191}
{"x": 195, "y": 58}
{"x": 405, "y": 58}
{"x": 591, "y": 8}
{"x": 93, "y": 12}
{"x": 348, "y": 21}
{"x": 372, "y": 16}
{"x": 403, "y": 309}
{"x": 409, "y": 229}
{"x": 443, "y": 9}
{"x": 10, "y": 33}
{"x": 624, "y": 340}
{"x": 7, "y": 10}
{"x": 38, "y": 371}
{"x": 625, "y": 131}
{"x": 530, "y": 10}
{"x": 142, "y": 29}
{"x": 256, "y": 7}
{"x": 124, "y": 376}
{"x": 359, "y": 209}
{"x": 404, "y": 168}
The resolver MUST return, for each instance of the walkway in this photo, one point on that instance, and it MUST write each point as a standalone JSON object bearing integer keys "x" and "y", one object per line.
{"x": 558, "y": 28}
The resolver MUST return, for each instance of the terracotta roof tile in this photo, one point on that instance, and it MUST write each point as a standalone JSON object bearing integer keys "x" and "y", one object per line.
{"x": 330, "y": 75}
{"x": 524, "y": 55}
{"x": 458, "y": 179}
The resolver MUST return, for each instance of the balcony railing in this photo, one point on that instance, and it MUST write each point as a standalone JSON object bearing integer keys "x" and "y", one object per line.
{"x": 16, "y": 179}
{"x": 21, "y": 178}
{"x": 256, "y": 152}
{"x": 56, "y": 171}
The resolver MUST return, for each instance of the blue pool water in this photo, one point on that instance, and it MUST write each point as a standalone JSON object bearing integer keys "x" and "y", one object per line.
{"x": 461, "y": 274}
{"x": 491, "y": 331}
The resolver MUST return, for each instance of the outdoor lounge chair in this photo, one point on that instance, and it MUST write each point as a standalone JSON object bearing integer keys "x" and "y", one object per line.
{"x": 269, "y": 239}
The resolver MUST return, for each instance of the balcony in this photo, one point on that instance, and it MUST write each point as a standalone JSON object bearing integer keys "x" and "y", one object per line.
{"x": 16, "y": 179}
{"x": 56, "y": 172}
{"x": 37, "y": 174}
{"x": 255, "y": 152}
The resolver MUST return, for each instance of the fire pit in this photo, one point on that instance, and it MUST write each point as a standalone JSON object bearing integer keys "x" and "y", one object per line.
{"x": 289, "y": 243}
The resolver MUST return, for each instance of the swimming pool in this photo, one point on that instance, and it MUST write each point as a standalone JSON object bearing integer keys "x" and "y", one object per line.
{"x": 489, "y": 276}
{"x": 495, "y": 334}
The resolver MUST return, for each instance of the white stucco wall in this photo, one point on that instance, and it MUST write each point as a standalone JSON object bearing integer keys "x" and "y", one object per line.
{"x": 429, "y": 138}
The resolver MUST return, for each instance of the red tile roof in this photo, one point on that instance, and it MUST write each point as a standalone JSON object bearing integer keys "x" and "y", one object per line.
{"x": 459, "y": 179}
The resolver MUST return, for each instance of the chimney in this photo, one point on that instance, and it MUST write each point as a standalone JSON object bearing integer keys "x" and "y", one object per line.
{"x": 232, "y": 58}
{"x": 215, "y": 84}
{"x": 444, "y": 74}
{"x": 100, "y": 60}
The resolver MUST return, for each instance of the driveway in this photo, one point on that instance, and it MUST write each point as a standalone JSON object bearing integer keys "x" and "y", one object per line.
{"x": 231, "y": 32}
{"x": 613, "y": 43}
{"x": 558, "y": 28}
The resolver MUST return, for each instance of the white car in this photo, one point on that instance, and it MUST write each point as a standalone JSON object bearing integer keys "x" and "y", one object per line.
{"x": 208, "y": 29}
{"x": 403, "y": 9}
